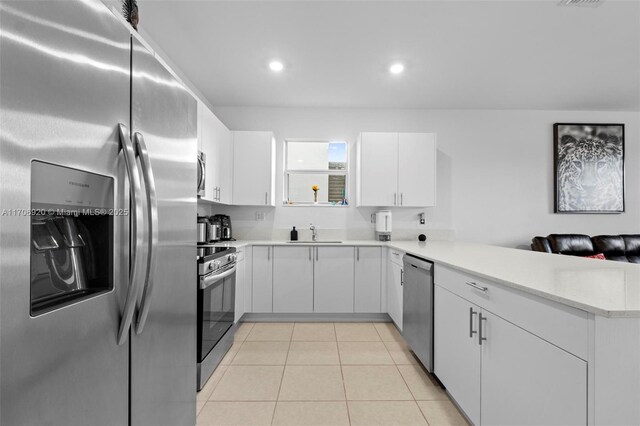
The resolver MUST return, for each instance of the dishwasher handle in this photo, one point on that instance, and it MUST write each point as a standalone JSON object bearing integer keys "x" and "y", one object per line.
{"x": 409, "y": 260}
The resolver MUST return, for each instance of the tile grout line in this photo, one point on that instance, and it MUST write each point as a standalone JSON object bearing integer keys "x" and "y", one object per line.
{"x": 284, "y": 368}
{"x": 415, "y": 401}
{"x": 344, "y": 386}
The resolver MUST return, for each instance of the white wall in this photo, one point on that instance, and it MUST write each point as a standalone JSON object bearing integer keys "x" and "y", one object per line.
{"x": 495, "y": 170}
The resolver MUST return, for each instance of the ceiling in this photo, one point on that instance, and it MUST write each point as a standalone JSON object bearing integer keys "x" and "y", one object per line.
{"x": 457, "y": 54}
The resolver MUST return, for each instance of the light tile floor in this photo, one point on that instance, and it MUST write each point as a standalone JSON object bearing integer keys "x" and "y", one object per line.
{"x": 322, "y": 374}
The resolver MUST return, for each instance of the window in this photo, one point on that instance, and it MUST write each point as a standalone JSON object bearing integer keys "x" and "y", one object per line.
{"x": 321, "y": 164}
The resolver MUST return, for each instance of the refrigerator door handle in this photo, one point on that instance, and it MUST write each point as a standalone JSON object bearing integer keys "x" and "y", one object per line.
{"x": 152, "y": 236}
{"x": 136, "y": 230}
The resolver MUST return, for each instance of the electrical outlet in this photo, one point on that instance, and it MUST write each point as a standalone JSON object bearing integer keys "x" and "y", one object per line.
{"x": 259, "y": 216}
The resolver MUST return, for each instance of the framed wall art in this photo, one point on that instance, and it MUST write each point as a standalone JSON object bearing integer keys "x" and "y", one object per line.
{"x": 589, "y": 168}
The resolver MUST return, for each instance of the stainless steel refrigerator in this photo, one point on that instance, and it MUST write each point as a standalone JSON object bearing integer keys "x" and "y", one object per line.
{"x": 98, "y": 199}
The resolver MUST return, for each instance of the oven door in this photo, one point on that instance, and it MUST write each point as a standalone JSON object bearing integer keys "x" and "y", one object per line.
{"x": 216, "y": 304}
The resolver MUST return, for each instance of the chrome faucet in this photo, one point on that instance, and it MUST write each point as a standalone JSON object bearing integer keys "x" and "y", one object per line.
{"x": 314, "y": 234}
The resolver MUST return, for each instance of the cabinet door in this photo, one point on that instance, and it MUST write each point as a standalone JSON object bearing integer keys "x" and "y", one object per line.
{"x": 378, "y": 175}
{"x": 240, "y": 290}
{"x": 208, "y": 148}
{"x": 293, "y": 279}
{"x": 528, "y": 381}
{"x": 253, "y": 169}
{"x": 333, "y": 279}
{"x": 224, "y": 165}
{"x": 417, "y": 169}
{"x": 456, "y": 351}
{"x": 368, "y": 279}
{"x": 262, "y": 279}
{"x": 394, "y": 293}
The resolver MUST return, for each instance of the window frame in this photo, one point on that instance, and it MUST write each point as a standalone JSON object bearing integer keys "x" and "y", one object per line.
{"x": 328, "y": 172}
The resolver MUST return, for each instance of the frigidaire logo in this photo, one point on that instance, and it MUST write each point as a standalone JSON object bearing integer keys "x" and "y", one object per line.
{"x": 84, "y": 185}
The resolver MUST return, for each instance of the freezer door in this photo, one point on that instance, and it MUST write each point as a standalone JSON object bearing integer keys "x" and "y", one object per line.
{"x": 64, "y": 70}
{"x": 163, "y": 354}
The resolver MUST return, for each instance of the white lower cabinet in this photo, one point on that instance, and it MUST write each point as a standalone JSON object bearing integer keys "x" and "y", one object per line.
{"x": 368, "y": 279}
{"x": 394, "y": 287}
{"x": 241, "y": 279}
{"x": 502, "y": 374}
{"x": 333, "y": 279}
{"x": 456, "y": 352}
{"x": 321, "y": 279}
{"x": 526, "y": 380}
{"x": 293, "y": 286}
{"x": 262, "y": 279}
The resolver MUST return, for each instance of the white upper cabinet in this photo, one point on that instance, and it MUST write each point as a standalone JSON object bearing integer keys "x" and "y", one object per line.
{"x": 253, "y": 168}
{"x": 214, "y": 140}
{"x": 416, "y": 169}
{"x": 396, "y": 169}
{"x": 378, "y": 169}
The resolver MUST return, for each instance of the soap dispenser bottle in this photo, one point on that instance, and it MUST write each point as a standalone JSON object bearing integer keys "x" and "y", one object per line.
{"x": 294, "y": 234}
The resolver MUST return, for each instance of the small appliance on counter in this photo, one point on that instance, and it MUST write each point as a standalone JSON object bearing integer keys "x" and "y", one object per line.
{"x": 225, "y": 227}
{"x": 203, "y": 230}
{"x": 215, "y": 229}
{"x": 383, "y": 225}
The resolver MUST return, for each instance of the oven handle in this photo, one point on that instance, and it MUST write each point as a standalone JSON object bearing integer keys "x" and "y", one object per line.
{"x": 213, "y": 278}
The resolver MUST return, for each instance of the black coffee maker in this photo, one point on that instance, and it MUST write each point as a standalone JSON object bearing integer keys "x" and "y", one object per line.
{"x": 225, "y": 227}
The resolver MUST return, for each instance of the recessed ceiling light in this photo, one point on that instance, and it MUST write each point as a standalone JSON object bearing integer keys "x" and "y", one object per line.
{"x": 396, "y": 68}
{"x": 276, "y": 66}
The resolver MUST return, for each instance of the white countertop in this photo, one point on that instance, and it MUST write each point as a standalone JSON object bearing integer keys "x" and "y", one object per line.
{"x": 606, "y": 288}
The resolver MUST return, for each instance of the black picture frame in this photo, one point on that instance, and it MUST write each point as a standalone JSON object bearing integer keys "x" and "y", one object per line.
{"x": 589, "y": 175}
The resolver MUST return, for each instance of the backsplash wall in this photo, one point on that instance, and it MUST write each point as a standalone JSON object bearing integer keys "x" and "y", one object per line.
{"x": 495, "y": 173}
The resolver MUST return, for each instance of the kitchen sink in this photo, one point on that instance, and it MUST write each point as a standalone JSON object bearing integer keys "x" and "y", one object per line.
{"x": 315, "y": 242}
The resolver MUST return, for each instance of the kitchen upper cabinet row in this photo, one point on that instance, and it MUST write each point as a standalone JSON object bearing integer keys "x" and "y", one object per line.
{"x": 240, "y": 165}
{"x": 396, "y": 169}
{"x": 305, "y": 279}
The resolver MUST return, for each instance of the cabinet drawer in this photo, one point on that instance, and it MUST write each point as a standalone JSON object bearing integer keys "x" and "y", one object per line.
{"x": 240, "y": 254}
{"x": 395, "y": 256}
{"x": 561, "y": 325}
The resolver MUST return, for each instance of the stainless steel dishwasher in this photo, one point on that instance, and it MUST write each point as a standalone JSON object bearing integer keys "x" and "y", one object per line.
{"x": 417, "y": 313}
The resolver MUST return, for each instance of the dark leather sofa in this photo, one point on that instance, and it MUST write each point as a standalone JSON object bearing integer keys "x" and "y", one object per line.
{"x": 622, "y": 248}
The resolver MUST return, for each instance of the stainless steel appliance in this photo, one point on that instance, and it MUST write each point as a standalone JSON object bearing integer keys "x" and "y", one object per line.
{"x": 202, "y": 175}
{"x": 97, "y": 302}
{"x": 417, "y": 309}
{"x": 216, "y": 307}
{"x": 203, "y": 229}
{"x": 215, "y": 229}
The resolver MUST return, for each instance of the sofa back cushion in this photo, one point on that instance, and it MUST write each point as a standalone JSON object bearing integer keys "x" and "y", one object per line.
{"x": 632, "y": 247}
{"x": 612, "y": 246}
{"x": 572, "y": 244}
{"x": 540, "y": 244}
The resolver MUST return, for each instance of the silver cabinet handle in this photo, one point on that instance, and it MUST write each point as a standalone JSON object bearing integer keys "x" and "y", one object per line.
{"x": 395, "y": 197}
{"x": 136, "y": 230}
{"x": 358, "y": 254}
{"x": 317, "y": 256}
{"x": 476, "y": 286}
{"x": 152, "y": 227}
{"x": 269, "y": 253}
{"x": 401, "y": 276}
{"x": 266, "y": 195}
{"x": 480, "y": 336}
{"x": 401, "y": 198}
{"x": 310, "y": 253}
{"x": 202, "y": 172}
{"x": 471, "y": 314}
